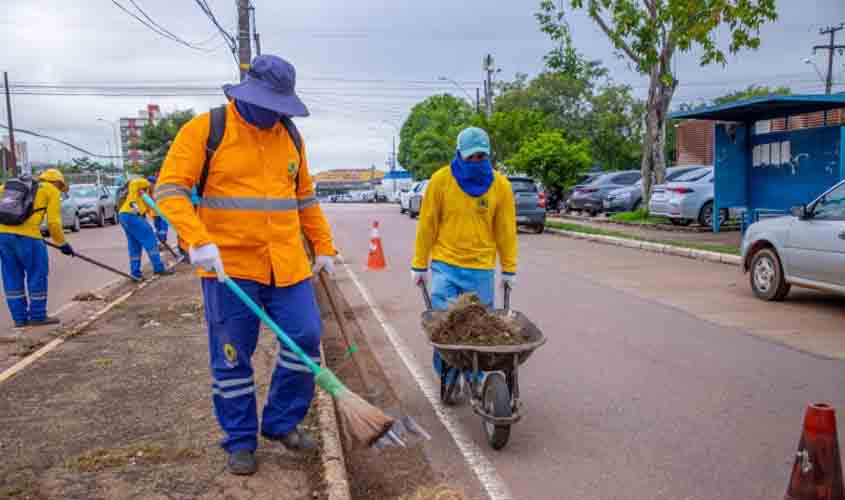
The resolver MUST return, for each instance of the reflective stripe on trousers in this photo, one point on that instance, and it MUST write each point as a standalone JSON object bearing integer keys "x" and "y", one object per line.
{"x": 232, "y": 339}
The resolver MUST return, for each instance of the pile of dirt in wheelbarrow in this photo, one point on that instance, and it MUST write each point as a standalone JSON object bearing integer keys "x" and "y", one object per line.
{"x": 469, "y": 322}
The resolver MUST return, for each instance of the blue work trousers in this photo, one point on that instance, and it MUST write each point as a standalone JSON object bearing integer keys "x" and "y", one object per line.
{"x": 232, "y": 339}
{"x": 448, "y": 283}
{"x": 161, "y": 228}
{"x": 140, "y": 237}
{"x": 25, "y": 269}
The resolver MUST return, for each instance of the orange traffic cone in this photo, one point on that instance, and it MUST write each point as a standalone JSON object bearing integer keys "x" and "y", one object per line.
{"x": 817, "y": 473}
{"x": 375, "y": 261}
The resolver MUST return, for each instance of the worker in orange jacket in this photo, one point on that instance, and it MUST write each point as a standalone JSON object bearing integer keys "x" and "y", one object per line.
{"x": 256, "y": 201}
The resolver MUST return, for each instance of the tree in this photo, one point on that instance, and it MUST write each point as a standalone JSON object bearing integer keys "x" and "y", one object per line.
{"x": 615, "y": 128}
{"x": 751, "y": 92}
{"x": 508, "y": 130}
{"x": 649, "y": 33}
{"x": 428, "y": 136}
{"x": 157, "y": 137}
{"x": 551, "y": 159}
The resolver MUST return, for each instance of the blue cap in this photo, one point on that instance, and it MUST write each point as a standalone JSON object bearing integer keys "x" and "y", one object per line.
{"x": 473, "y": 140}
{"x": 269, "y": 84}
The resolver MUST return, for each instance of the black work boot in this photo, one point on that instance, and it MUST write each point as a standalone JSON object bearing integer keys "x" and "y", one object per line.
{"x": 296, "y": 440}
{"x": 166, "y": 272}
{"x": 49, "y": 320}
{"x": 242, "y": 463}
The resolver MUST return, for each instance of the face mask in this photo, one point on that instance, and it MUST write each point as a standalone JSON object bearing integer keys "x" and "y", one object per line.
{"x": 473, "y": 177}
{"x": 256, "y": 115}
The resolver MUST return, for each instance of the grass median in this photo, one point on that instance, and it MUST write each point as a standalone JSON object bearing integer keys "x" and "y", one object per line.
{"x": 578, "y": 228}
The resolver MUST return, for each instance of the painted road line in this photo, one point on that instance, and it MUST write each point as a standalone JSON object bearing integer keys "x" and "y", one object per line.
{"x": 486, "y": 472}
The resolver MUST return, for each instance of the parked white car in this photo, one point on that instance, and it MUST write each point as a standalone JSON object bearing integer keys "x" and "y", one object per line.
{"x": 405, "y": 197}
{"x": 806, "y": 249}
{"x": 688, "y": 198}
{"x": 415, "y": 200}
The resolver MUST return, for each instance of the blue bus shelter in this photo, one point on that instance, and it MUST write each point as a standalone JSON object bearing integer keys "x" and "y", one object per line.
{"x": 762, "y": 172}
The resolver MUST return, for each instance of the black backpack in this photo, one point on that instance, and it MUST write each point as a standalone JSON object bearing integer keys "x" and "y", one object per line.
{"x": 215, "y": 137}
{"x": 18, "y": 200}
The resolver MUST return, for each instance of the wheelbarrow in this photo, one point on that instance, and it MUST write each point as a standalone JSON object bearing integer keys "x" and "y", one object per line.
{"x": 494, "y": 382}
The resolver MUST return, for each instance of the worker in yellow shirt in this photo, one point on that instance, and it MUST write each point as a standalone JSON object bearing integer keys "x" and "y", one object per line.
{"x": 468, "y": 217}
{"x": 256, "y": 199}
{"x": 139, "y": 234}
{"x": 23, "y": 206}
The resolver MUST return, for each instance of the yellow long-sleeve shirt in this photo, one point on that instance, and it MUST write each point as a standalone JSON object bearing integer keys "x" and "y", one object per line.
{"x": 47, "y": 203}
{"x": 134, "y": 196}
{"x": 466, "y": 231}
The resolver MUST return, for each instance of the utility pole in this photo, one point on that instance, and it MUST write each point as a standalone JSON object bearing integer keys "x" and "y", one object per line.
{"x": 244, "y": 47}
{"x": 477, "y": 101}
{"x": 393, "y": 158}
{"x": 831, "y": 50}
{"x": 13, "y": 168}
{"x": 489, "y": 69}
{"x": 255, "y": 35}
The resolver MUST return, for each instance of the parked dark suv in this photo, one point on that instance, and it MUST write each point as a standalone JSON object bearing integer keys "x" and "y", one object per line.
{"x": 530, "y": 205}
{"x": 590, "y": 197}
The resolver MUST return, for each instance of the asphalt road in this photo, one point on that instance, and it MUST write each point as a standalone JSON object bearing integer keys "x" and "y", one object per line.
{"x": 660, "y": 378}
{"x": 69, "y": 277}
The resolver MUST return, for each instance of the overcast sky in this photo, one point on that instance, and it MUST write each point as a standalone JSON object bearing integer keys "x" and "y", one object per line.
{"x": 361, "y": 64}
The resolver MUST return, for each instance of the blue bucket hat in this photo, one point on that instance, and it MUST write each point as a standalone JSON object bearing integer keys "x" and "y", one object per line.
{"x": 270, "y": 84}
{"x": 473, "y": 140}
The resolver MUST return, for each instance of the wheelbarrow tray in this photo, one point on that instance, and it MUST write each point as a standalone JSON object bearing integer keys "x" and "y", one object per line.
{"x": 490, "y": 358}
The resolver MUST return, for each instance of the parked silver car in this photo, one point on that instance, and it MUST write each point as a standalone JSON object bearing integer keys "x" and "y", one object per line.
{"x": 405, "y": 197}
{"x": 96, "y": 204}
{"x": 806, "y": 249}
{"x": 415, "y": 200}
{"x": 629, "y": 199}
{"x": 590, "y": 197}
{"x": 70, "y": 216}
{"x": 687, "y": 199}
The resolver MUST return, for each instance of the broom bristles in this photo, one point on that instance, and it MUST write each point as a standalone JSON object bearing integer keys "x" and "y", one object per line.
{"x": 362, "y": 422}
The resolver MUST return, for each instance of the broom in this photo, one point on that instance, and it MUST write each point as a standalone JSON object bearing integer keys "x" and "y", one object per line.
{"x": 363, "y": 422}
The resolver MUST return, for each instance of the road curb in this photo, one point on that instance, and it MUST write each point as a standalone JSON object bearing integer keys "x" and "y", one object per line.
{"x": 647, "y": 246}
{"x": 332, "y": 456}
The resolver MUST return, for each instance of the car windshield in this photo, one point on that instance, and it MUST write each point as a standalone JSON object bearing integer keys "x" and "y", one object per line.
{"x": 523, "y": 186}
{"x": 694, "y": 175}
{"x": 83, "y": 192}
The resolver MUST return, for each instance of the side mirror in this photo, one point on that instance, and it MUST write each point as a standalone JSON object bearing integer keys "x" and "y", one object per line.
{"x": 800, "y": 212}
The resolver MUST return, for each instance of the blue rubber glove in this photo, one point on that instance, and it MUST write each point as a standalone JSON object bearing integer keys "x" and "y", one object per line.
{"x": 67, "y": 249}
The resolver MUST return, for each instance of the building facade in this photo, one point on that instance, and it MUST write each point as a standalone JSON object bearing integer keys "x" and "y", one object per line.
{"x": 21, "y": 153}
{"x": 131, "y": 130}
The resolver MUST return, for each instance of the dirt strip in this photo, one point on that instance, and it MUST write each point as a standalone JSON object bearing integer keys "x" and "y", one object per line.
{"x": 123, "y": 411}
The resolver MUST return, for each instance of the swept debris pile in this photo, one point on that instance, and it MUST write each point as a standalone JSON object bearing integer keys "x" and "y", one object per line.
{"x": 469, "y": 322}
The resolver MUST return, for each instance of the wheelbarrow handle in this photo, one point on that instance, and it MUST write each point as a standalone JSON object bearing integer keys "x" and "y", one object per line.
{"x": 426, "y": 296}
{"x": 507, "y": 286}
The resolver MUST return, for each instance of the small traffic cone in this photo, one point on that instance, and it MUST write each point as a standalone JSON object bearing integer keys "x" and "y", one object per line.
{"x": 817, "y": 473}
{"x": 375, "y": 261}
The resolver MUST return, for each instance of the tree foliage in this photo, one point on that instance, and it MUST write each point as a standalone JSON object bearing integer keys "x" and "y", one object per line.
{"x": 750, "y": 92}
{"x": 157, "y": 137}
{"x": 428, "y": 136}
{"x": 552, "y": 159}
{"x": 649, "y": 32}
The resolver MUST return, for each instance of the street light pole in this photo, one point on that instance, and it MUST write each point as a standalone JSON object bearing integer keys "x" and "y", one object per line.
{"x": 456, "y": 84}
{"x": 118, "y": 143}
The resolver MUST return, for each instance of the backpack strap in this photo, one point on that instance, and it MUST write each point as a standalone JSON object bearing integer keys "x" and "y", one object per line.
{"x": 295, "y": 136}
{"x": 215, "y": 137}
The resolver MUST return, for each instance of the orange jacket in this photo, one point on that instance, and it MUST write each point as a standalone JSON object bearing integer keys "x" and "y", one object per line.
{"x": 251, "y": 208}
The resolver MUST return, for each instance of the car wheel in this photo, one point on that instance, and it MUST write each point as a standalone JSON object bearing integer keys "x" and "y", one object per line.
{"x": 766, "y": 276}
{"x": 113, "y": 219}
{"x": 77, "y": 225}
{"x": 680, "y": 222}
{"x": 401, "y": 210}
{"x": 705, "y": 217}
{"x": 636, "y": 206}
{"x": 540, "y": 229}
{"x": 101, "y": 218}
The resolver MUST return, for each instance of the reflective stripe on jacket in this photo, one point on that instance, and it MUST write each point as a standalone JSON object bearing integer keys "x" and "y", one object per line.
{"x": 47, "y": 203}
{"x": 134, "y": 196}
{"x": 251, "y": 208}
{"x": 466, "y": 231}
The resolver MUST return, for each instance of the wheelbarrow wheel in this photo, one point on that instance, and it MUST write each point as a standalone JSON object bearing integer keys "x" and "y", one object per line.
{"x": 497, "y": 403}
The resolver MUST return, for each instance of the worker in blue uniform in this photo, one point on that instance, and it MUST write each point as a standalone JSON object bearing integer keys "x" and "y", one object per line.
{"x": 139, "y": 234}
{"x": 23, "y": 253}
{"x": 159, "y": 223}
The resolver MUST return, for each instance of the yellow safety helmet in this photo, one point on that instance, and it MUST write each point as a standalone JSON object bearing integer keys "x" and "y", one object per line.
{"x": 55, "y": 176}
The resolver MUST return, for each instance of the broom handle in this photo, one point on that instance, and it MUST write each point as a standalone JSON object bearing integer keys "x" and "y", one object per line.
{"x": 283, "y": 337}
{"x": 96, "y": 263}
{"x": 314, "y": 367}
{"x": 426, "y": 296}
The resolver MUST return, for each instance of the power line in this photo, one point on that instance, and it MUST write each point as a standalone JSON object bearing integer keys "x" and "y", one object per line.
{"x": 230, "y": 40}
{"x": 60, "y": 141}
{"x": 166, "y": 31}
{"x": 156, "y": 28}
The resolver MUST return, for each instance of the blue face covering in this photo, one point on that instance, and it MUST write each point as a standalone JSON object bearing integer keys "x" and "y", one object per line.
{"x": 474, "y": 177}
{"x": 256, "y": 115}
